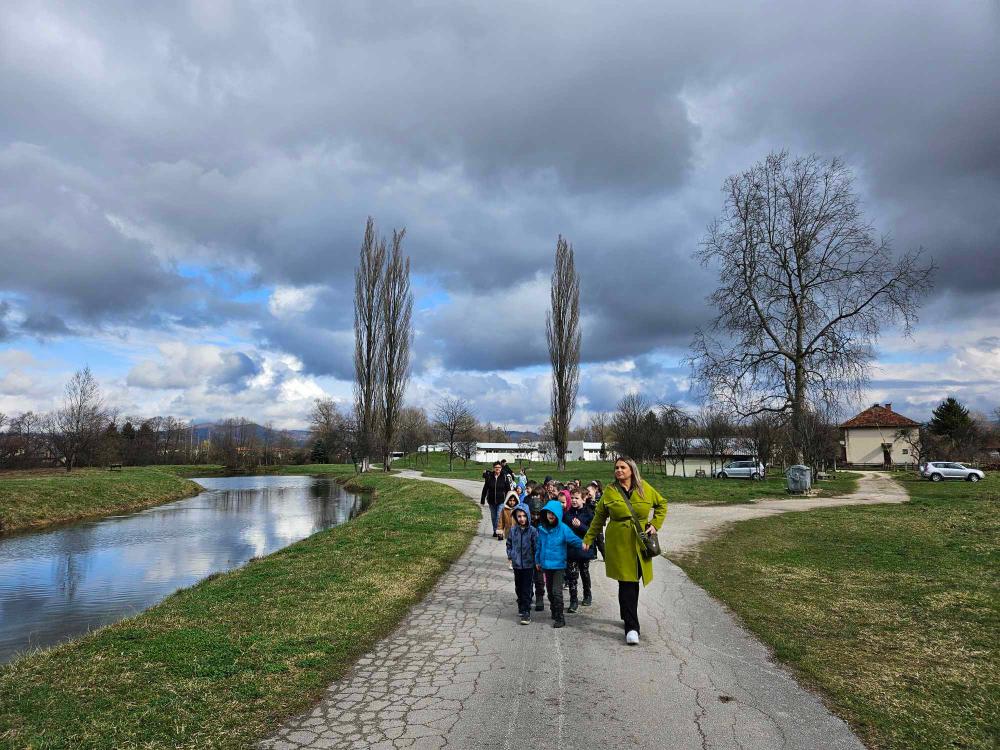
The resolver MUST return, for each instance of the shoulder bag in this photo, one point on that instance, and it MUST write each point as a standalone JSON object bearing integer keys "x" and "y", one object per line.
{"x": 650, "y": 543}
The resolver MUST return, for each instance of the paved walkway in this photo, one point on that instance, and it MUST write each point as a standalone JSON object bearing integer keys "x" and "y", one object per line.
{"x": 460, "y": 672}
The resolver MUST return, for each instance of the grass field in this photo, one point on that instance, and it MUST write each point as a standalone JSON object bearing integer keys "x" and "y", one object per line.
{"x": 31, "y": 499}
{"x": 676, "y": 489}
{"x": 892, "y": 611}
{"x": 221, "y": 664}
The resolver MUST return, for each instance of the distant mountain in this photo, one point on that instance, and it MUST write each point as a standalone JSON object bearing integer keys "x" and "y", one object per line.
{"x": 523, "y": 436}
{"x": 203, "y": 431}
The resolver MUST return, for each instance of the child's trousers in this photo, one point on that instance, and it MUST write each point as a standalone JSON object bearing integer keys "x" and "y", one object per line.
{"x": 578, "y": 569}
{"x": 523, "y": 580}
{"x": 539, "y": 586}
{"x": 554, "y": 587}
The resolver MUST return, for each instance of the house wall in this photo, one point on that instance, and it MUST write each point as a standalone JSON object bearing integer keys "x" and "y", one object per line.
{"x": 863, "y": 445}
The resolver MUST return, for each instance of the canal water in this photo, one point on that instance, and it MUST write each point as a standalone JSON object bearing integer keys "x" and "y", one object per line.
{"x": 61, "y": 583}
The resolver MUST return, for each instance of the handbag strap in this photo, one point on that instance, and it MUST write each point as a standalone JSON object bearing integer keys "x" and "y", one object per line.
{"x": 635, "y": 519}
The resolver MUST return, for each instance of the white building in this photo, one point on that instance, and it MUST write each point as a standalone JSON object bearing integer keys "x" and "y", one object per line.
{"x": 513, "y": 453}
{"x": 580, "y": 450}
{"x": 879, "y": 436}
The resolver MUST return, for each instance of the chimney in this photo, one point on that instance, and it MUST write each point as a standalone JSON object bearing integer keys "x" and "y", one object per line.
{"x": 888, "y": 407}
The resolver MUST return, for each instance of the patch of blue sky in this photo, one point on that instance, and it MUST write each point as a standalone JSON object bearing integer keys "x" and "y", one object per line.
{"x": 428, "y": 294}
{"x": 71, "y": 354}
{"x": 232, "y": 283}
{"x": 913, "y": 357}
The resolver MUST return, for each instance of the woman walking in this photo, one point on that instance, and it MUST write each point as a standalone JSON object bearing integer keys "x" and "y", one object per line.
{"x": 624, "y": 547}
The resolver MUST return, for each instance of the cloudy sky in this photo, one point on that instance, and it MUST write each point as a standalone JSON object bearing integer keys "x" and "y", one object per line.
{"x": 184, "y": 187}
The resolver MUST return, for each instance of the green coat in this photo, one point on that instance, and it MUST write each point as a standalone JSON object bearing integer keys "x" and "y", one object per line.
{"x": 622, "y": 546}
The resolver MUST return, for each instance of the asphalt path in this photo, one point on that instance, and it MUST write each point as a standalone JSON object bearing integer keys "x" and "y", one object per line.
{"x": 461, "y": 672}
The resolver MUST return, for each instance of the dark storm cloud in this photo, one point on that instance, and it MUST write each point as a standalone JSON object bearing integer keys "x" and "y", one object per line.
{"x": 137, "y": 139}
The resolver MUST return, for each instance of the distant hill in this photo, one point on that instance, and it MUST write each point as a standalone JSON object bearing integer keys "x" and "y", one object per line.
{"x": 523, "y": 436}
{"x": 203, "y": 431}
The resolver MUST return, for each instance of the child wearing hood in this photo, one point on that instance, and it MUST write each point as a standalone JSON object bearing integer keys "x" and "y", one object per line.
{"x": 505, "y": 521}
{"x": 521, "y": 543}
{"x": 554, "y": 537}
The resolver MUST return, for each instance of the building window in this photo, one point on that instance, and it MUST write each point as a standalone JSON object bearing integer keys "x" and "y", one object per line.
{"x": 906, "y": 451}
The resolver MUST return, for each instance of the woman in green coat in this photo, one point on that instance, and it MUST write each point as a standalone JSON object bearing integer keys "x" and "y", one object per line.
{"x": 623, "y": 559}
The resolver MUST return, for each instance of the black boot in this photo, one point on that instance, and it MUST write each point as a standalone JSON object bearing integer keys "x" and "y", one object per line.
{"x": 560, "y": 623}
{"x": 587, "y": 601}
{"x": 574, "y": 605}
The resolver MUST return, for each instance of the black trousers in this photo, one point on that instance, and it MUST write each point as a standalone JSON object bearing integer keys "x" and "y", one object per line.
{"x": 523, "y": 578}
{"x": 578, "y": 570}
{"x": 554, "y": 586}
{"x": 539, "y": 585}
{"x": 628, "y": 604}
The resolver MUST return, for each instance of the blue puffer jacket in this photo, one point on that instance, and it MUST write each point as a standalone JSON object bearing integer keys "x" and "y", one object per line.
{"x": 585, "y": 515}
{"x": 550, "y": 551}
{"x": 521, "y": 542}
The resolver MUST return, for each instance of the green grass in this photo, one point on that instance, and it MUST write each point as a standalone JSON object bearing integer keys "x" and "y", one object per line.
{"x": 31, "y": 499}
{"x": 221, "y": 664}
{"x": 676, "y": 489}
{"x": 892, "y": 611}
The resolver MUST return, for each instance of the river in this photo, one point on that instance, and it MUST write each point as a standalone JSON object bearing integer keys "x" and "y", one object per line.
{"x": 61, "y": 583}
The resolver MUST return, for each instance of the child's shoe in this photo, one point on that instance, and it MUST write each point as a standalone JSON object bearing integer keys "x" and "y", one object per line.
{"x": 539, "y": 606}
{"x": 573, "y": 606}
{"x": 525, "y": 618}
{"x": 587, "y": 601}
{"x": 560, "y": 622}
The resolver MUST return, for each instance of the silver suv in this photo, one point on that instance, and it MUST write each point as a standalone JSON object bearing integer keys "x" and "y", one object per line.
{"x": 937, "y": 471}
{"x": 742, "y": 470}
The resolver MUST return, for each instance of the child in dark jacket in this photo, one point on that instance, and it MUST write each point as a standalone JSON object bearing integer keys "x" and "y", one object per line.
{"x": 522, "y": 539}
{"x": 554, "y": 537}
{"x": 578, "y": 518}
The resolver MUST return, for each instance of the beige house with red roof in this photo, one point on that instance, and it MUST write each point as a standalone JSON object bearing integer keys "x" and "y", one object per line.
{"x": 879, "y": 436}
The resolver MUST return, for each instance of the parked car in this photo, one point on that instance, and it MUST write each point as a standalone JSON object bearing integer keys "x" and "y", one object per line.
{"x": 937, "y": 471}
{"x": 741, "y": 470}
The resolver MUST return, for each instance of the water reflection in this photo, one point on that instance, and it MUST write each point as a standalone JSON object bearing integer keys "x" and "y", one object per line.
{"x": 59, "y": 584}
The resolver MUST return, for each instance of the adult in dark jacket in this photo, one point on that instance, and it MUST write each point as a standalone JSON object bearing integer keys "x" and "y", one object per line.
{"x": 578, "y": 517}
{"x": 496, "y": 485}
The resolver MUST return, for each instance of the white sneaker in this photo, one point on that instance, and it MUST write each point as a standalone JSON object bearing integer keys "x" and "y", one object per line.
{"x": 632, "y": 638}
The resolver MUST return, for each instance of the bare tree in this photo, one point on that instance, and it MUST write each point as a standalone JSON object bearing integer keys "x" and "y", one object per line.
{"x": 562, "y": 331}
{"x": 76, "y": 427}
{"x": 397, "y": 316}
{"x": 762, "y": 435}
{"x": 806, "y": 287}
{"x": 453, "y": 422}
{"x": 677, "y": 432}
{"x": 718, "y": 431}
{"x": 328, "y": 424}
{"x": 369, "y": 332}
{"x": 626, "y": 424}
{"x": 414, "y": 430}
{"x": 599, "y": 431}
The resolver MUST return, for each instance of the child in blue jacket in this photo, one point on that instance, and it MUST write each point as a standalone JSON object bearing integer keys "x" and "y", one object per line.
{"x": 522, "y": 541}
{"x": 554, "y": 537}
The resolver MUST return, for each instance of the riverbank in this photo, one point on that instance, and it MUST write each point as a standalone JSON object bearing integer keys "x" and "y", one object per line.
{"x": 35, "y": 499}
{"x": 889, "y": 610}
{"x": 221, "y": 664}
{"x": 677, "y": 489}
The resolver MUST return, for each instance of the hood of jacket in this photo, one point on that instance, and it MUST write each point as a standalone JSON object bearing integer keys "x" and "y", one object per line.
{"x": 521, "y": 506}
{"x": 557, "y": 510}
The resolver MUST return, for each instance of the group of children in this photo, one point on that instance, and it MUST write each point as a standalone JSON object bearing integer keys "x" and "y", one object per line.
{"x": 543, "y": 526}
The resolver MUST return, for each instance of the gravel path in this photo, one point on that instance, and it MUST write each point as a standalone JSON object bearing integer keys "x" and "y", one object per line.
{"x": 461, "y": 672}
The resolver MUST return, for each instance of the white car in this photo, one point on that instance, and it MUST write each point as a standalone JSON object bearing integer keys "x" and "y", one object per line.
{"x": 938, "y": 471}
{"x": 742, "y": 470}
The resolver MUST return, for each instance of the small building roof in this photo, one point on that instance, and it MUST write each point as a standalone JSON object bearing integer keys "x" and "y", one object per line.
{"x": 878, "y": 415}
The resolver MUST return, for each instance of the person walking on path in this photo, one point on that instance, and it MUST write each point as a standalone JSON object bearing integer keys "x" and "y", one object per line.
{"x": 594, "y": 492}
{"x": 578, "y": 518}
{"x": 496, "y": 485}
{"x": 521, "y": 542}
{"x": 505, "y": 520}
{"x": 550, "y": 556}
{"x": 624, "y": 547}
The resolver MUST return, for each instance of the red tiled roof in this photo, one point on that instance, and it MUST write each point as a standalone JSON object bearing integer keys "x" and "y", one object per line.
{"x": 879, "y": 416}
